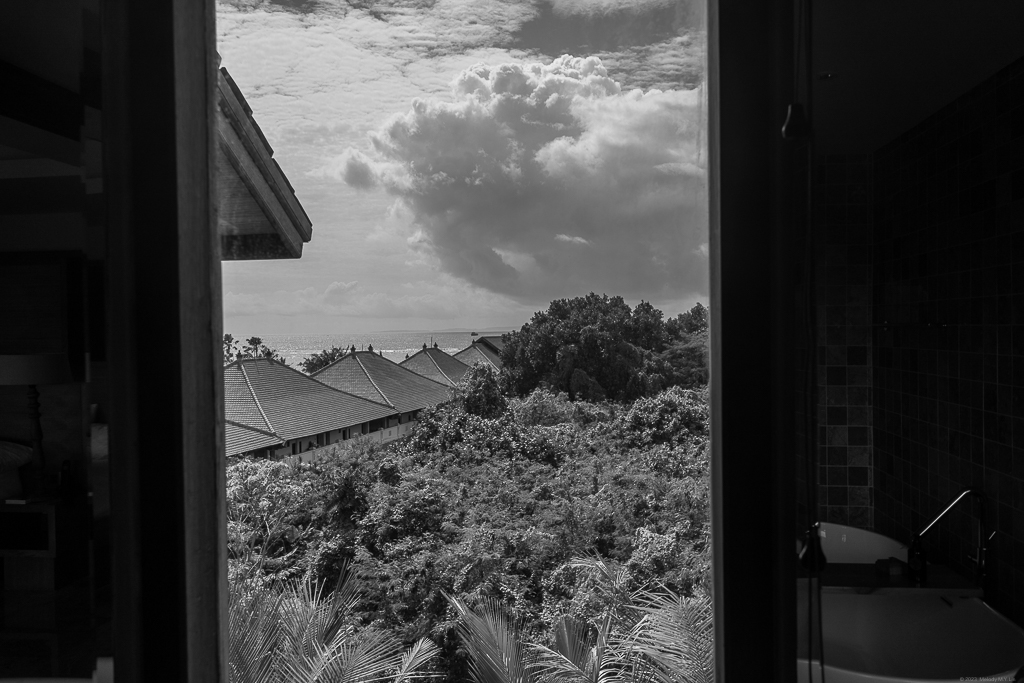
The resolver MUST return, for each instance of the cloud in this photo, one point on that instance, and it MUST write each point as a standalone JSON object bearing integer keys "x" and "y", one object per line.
{"x": 357, "y": 171}
{"x": 526, "y": 162}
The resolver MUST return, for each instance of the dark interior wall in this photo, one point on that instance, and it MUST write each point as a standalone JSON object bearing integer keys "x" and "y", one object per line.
{"x": 842, "y": 224}
{"x": 948, "y": 368}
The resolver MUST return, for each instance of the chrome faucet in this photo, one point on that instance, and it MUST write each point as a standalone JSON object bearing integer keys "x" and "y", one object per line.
{"x": 915, "y": 553}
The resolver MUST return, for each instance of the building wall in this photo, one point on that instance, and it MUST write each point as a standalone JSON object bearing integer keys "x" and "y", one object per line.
{"x": 948, "y": 368}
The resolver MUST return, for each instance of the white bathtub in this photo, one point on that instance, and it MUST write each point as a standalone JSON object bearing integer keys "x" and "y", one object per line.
{"x": 913, "y": 638}
{"x": 847, "y": 544}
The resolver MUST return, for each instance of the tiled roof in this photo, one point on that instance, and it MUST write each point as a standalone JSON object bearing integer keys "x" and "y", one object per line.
{"x": 437, "y": 365}
{"x": 240, "y": 405}
{"x": 240, "y": 438}
{"x": 492, "y": 340}
{"x": 474, "y": 354}
{"x": 489, "y": 346}
{"x": 366, "y": 374}
{"x": 289, "y": 404}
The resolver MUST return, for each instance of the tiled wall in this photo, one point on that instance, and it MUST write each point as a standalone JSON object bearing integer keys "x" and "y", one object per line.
{"x": 844, "y": 355}
{"x": 949, "y": 330}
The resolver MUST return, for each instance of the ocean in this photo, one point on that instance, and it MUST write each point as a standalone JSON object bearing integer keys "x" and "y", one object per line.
{"x": 394, "y": 345}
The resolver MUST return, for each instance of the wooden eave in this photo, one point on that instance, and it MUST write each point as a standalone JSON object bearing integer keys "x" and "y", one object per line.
{"x": 259, "y": 215}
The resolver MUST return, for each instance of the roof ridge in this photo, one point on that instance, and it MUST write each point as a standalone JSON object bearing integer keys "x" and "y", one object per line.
{"x": 404, "y": 369}
{"x": 385, "y": 397}
{"x": 340, "y": 391}
{"x": 256, "y": 400}
{"x": 439, "y": 369}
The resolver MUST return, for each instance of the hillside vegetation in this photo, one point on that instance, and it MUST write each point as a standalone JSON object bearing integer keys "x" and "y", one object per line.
{"x": 554, "y": 510}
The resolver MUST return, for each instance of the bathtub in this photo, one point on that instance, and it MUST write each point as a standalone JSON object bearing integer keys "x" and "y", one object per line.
{"x": 847, "y": 544}
{"x": 906, "y": 636}
{"x": 913, "y": 638}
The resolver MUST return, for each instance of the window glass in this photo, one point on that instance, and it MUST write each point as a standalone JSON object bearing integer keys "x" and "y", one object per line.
{"x": 489, "y": 217}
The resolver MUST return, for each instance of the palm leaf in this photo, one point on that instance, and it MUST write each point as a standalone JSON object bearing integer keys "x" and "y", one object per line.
{"x": 584, "y": 654}
{"x": 415, "y": 659}
{"x": 677, "y": 635}
{"x": 253, "y": 633}
{"x": 495, "y": 643}
{"x": 296, "y": 634}
{"x": 371, "y": 656}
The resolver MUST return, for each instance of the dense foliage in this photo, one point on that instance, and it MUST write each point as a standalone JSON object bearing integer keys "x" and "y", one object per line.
{"x": 490, "y": 499}
{"x": 596, "y": 347}
{"x": 299, "y": 632}
{"x": 646, "y": 636}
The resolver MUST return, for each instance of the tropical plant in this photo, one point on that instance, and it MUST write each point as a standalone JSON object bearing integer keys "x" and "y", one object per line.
{"x": 677, "y": 636}
{"x": 498, "y": 652}
{"x": 664, "y": 638}
{"x": 254, "y": 348}
{"x": 297, "y": 634}
{"x": 321, "y": 360}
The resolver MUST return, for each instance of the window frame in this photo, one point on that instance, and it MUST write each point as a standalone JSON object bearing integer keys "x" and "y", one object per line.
{"x": 164, "y": 327}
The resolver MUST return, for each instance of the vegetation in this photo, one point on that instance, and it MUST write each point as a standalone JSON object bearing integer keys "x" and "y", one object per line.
{"x": 646, "y": 636}
{"x": 254, "y": 348}
{"x": 489, "y": 507}
{"x": 557, "y": 528}
{"x": 297, "y": 634}
{"x": 596, "y": 347}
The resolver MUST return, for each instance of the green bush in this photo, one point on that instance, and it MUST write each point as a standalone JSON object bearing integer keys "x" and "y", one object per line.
{"x": 494, "y": 505}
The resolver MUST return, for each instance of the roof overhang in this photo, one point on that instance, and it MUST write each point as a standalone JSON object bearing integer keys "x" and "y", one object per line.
{"x": 259, "y": 215}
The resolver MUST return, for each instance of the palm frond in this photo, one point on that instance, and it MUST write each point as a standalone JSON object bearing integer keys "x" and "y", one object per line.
{"x": 253, "y": 633}
{"x": 371, "y": 656}
{"x": 584, "y": 653}
{"x": 497, "y": 651}
{"x": 677, "y": 635}
{"x": 415, "y": 659}
{"x": 571, "y": 658}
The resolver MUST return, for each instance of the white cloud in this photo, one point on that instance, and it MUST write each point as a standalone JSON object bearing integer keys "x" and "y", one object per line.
{"x": 525, "y": 162}
{"x": 323, "y": 75}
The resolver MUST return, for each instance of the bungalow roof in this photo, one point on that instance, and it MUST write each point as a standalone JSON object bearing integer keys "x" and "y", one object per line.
{"x": 267, "y": 396}
{"x": 374, "y": 377}
{"x": 475, "y": 354}
{"x": 493, "y": 341}
{"x": 435, "y": 364}
{"x": 240, "y": 438}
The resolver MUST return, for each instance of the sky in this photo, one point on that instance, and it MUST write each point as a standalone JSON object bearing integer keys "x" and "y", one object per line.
{"x": 465, "y": 162}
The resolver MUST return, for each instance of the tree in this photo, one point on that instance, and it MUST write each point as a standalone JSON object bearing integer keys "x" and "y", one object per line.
{"x": 254, "y": 348}
{"x": 687, "y": 352}
{"x": 479, "y": 392}
{"x": 588, "y": 347}
{"x": 231, "y": 350}
{"x": 687, "y": 324}
{"x": 321, "y": 360}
